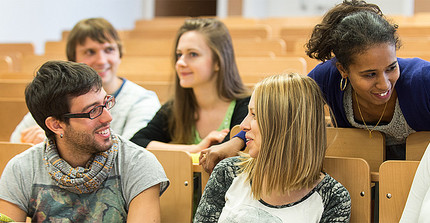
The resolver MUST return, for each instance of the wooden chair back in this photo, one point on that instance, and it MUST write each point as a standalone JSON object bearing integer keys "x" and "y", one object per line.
{"x": 395, "y": 180}
{"x": 22, "y": 48}
{"x": 8, "y": 150}
{"x": 236, "y": 129}
{"x": 164, "y": 47}
{"x": 354, "y": 175}
{"x": 353, "y": 142}
{"x": 31, "y": 63}
{"x": 16, "y": 76}
{"x": 258, "y": 47}
{"x": 254, "y": 69}
{"x": 12, "y": 88}
{"x": 176, "y": 202}
{"x": 12, "y": 112}
{"x": 148, "y": 47}
{"x": 416, "y": 144}
{"x": 6, "y": 64}
{"x": 146, "y": 68}
{"x": 56, "y": 48}
{"x": 250, "y": 31}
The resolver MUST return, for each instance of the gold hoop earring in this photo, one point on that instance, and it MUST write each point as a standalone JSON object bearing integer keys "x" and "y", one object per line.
{"x": 342, "y": 84}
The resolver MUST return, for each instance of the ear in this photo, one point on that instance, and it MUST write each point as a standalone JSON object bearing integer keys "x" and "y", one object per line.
{"x": 216, "y": 68}
{"x": 55, "y": 125}
{"x": 342, "y": 70}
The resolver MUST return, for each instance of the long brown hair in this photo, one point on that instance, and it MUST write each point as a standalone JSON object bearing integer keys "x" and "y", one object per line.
{"x": 229, "y": 84}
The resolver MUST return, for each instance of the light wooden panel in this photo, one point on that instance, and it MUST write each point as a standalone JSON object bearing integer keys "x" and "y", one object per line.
{"x": 9, "y": 150}
{"x": 395, "y": 180}
{"x": 12, "y": 112}
{"x": 353, "y": 142}
{"x": 354, "y": 175}
{"x": 176, "y": 201}
{"x": 416, "y": 144}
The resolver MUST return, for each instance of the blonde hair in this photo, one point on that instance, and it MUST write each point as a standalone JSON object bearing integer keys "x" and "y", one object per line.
{"x": 289, "y": 111}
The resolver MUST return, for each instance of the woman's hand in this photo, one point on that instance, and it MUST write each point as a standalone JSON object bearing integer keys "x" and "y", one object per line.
{"x": 212, "y": 138}
{"x": 210, "y": 157}
{"x": 33, "y": 135}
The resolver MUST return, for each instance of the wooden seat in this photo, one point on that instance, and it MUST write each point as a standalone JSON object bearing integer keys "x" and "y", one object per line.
{"x": 176, "y": 201}
{"x": 9, "y": 150}
{"x": 416, "y": 144}
{"x": 395, "y": 180}
{"x": 354, "y": 175}
{"x": 353, "y": 142}
{"x": 12, "y": 112}
{"x": 12, "y": 88}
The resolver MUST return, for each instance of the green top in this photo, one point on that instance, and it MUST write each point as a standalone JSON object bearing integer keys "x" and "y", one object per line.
{"x": 224, "y": 125}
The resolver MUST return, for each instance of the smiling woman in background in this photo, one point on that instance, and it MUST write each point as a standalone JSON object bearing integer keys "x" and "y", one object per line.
{"x": 209, "y": 98}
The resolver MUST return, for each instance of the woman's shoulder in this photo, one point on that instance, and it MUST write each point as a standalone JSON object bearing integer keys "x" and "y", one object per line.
{"x": 244, "y": 100}
{"x": 228, "y": 166}
{"x": 330, "y": 189}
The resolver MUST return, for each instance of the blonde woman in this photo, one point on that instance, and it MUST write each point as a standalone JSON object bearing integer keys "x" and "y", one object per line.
{"x": 281, "y": 180}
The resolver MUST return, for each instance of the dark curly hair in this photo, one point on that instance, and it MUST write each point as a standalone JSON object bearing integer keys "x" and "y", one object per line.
{"x": 350, "y": 28}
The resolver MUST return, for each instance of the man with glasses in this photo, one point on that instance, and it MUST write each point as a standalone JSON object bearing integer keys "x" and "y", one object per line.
{"x": 83, "y": 171}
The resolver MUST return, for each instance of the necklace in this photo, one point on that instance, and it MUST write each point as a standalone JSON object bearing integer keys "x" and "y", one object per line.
{"x": 361, "y": 115}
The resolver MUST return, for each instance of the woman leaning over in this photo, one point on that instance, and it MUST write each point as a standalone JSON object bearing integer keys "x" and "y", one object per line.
{"x": 363, "y": 81}
{"x": 281, "y": 180}
{"x": 209, "y": 96}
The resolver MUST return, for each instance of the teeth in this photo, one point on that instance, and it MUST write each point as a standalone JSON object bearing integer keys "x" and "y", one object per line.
{"x": 383, "y": 94}
{"x": 104, "y": 132}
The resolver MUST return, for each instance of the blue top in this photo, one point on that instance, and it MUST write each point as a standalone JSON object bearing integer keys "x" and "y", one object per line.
{"x": 413, "y": 91}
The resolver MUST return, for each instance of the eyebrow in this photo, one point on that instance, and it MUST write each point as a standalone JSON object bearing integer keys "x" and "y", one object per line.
{"x": 371, "y": 70}
{"x": 92, "y": 105}
{"x": 187, "y": 50}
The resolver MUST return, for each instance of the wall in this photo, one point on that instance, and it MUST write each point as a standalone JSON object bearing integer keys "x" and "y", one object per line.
{"x": 277, "y": 8}
{"x": 40, "y": 20}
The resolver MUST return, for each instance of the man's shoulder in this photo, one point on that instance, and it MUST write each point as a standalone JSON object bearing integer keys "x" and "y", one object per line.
{"x": 130, "y": 149}
{"x": 135, "y": 89}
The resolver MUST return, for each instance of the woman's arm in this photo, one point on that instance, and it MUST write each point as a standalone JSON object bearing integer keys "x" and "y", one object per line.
{"x": 213, "y": 198}
{"x": 214, "y": 137}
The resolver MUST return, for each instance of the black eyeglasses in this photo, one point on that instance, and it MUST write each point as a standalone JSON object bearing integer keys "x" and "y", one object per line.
{"x": 96, "y": 111}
